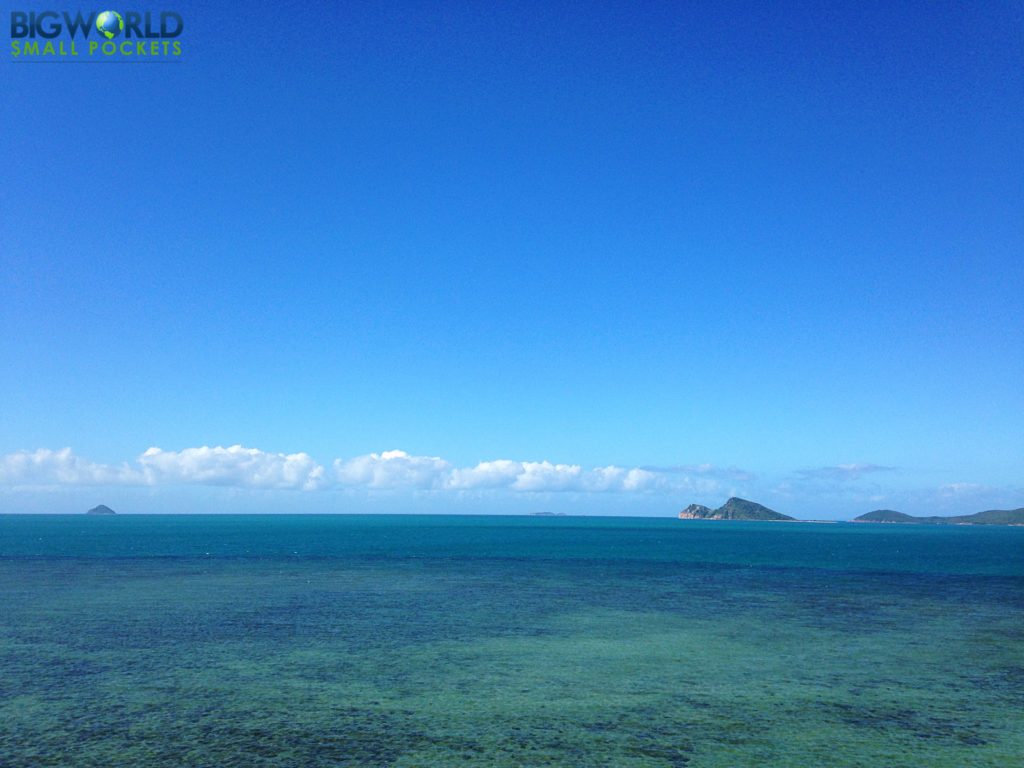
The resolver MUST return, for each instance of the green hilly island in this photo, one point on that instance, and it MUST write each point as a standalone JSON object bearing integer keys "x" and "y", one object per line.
{"x": 733, "y": 509}
{"x": 741, "y": 509}
{"x": 988, "y": 517}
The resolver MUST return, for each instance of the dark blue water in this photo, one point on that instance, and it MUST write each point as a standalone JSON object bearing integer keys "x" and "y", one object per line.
{"x": 841, "y": 546}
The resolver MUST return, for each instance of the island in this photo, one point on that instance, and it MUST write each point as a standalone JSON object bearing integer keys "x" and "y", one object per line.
{"x": 102, "y": 509}
{"x": 988, "y": 517}
{"x": 733, "y": 509}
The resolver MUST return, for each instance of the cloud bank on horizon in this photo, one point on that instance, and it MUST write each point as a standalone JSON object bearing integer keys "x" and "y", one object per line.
{"x": 851, "y": 488}
{"x": 252, "y": 468}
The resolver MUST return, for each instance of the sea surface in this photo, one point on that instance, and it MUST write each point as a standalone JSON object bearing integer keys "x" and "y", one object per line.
{"x": 507, "y": 641}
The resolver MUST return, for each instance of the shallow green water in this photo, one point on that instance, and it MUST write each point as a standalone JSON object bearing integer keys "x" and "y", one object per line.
{"x": 482, "y": 641}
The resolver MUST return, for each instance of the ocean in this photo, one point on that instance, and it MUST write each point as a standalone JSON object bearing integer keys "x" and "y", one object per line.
{"x": 234, "y": 640}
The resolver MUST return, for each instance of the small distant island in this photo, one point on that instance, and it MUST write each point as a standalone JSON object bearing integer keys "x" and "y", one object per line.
{"x": 733, "y": 509}
{"x": 988, "y": 517}
{"x": 548, "y": 514}
{"x": 102, "y": 509}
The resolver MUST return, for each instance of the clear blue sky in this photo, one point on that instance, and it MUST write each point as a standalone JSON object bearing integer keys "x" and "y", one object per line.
{"x": 775, "y": 246}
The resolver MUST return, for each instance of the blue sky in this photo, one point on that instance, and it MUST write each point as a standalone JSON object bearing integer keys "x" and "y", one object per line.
{"x": 771, "y": 251}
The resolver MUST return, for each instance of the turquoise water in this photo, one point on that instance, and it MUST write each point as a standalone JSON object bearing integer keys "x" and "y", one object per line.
{"x": 501, "y": 641}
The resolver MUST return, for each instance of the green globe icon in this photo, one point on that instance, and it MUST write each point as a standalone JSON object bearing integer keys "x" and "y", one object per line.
{"x": 110, "y": 24}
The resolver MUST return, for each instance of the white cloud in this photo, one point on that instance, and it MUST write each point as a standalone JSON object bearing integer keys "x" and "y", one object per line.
{"x": 392, "y": 469}
{"x": 233, "y": 466}
{"x": 694, "y": 472}
{"x": 543, "y": 476}
{"x": 963, "y": 489}
{"x": 843, "y": 472}
{"x": 613, "y": 478}
{"x": 240, "y": 467}
{"x": 47, "y": 467}
{"x": 487, "y": 474}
